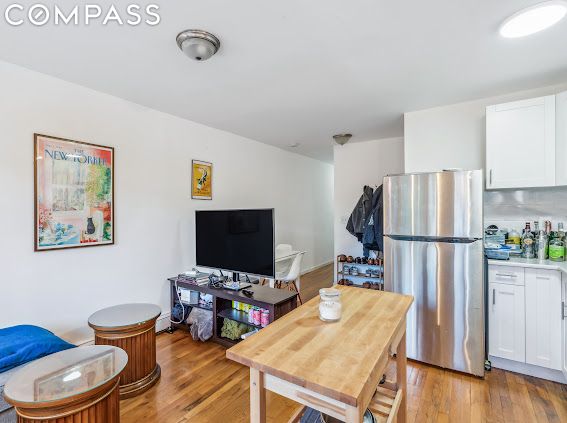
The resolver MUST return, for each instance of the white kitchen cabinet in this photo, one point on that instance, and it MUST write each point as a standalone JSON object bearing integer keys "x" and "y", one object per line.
{"x": 506, "y": 274}
{"x": 543, "y": 318}
{"x": 561, "y": 138}
{"x": 520, "y": 144}
{"x": 506, "y": 321}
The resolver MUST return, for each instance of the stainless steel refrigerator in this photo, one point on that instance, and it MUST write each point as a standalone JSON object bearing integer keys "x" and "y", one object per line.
{"x": 433, "y": 250}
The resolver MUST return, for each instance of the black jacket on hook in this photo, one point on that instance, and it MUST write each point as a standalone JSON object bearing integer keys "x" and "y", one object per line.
{"x": 357, "y": 220}
{"x": 373, "y": 235}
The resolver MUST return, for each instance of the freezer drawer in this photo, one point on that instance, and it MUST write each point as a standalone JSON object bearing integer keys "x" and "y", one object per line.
{"x": 441, "y": 204}
{"x": 445, "y": 325}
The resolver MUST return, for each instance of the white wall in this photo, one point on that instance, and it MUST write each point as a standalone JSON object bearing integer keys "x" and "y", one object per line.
{"x": 454, "y": 136}
{"x": 356, "y": 165}
{"x": 154, "y": 212}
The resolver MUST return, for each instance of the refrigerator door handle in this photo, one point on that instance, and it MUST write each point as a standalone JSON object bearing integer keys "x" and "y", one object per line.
{"x": 493, "y": 296}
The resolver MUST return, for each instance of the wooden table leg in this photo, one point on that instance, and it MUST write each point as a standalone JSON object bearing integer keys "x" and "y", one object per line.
{"x": 401, "y": 378}
{"x": 353, "y": 415}
{"x": 257, "y": 397}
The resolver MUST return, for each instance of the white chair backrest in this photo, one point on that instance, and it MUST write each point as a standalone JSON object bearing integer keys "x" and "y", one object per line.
{"x": 283, "y": 250}
{"x": 295, "y": 268}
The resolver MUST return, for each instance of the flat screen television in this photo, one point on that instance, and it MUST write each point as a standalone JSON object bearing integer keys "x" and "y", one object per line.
{"x": 240, "y": 241}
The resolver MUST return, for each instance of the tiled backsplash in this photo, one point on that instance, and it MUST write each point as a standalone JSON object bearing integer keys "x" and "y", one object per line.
{"x": 513, "y": 208}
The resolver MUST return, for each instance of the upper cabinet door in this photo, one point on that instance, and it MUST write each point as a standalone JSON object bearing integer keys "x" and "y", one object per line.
{"x": 520, "y": 144}
{"x": 561, "y": 138}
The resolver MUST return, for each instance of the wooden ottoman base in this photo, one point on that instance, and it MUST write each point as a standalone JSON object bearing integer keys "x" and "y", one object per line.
{"x": 139, "y": 342}
{"x": 136, "y": 388}
{"x": 100, "y": 405}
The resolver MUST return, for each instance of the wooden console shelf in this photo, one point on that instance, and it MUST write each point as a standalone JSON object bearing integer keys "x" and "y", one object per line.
{"x": 278, "y": 302}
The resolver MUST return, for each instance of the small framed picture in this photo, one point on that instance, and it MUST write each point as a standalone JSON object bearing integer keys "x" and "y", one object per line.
{"x": 201, "y": 180}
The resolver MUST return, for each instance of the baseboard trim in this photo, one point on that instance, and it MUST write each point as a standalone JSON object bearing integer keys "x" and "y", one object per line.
{"x": 85, "y": 343}
{"x": 527, "y": 369}
{"x": 319, "y": 266}
{"x": 162, "y": 324}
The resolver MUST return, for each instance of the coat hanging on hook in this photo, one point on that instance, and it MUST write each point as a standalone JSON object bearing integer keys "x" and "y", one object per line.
{"x": 373, "y": 233}
{"x": 361, "y": 212}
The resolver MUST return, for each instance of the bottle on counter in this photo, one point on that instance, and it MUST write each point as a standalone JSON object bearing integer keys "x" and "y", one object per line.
{"x": 560, "y": 231}
{"x": 514, "y": 237}
{"x": 528, "y": 244}
{"x": 548, "y": 228}
{"x": 541, "y": 243}
{"x": 557, "y": 244}
{"x": 535, "y": 233}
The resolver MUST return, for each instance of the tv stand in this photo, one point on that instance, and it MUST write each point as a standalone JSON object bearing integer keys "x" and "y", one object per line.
{"x": 277, "y": 301}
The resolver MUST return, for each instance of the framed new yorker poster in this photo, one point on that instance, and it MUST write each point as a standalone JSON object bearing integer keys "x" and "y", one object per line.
{"x": 201, "y": 180}
{"x": 74, "y": 194}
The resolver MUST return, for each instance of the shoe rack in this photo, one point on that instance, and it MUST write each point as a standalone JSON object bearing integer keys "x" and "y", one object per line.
{"x": 360, "y": 272}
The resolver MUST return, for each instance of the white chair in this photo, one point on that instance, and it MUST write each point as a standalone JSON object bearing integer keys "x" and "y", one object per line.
{"x": 292, "y": 277}
{"x": 284, "y": 258}
{"x": 283, "y": 250}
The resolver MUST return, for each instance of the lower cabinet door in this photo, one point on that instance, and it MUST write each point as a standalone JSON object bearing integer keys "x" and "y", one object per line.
{"x": 543, "y": 318}
{"x": 506, "y": 322}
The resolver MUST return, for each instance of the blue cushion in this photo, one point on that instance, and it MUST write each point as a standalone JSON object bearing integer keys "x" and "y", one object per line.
{"x": 24, "y": 343}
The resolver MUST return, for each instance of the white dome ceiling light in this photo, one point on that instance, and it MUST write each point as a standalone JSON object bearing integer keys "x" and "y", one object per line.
{"x": 534, "y": 19}
{"x": 342, "y": 139}
{"x": 197, "y": 44}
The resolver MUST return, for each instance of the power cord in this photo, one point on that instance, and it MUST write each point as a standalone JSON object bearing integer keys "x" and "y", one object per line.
{"x": 180, "y": 302}
{"x": 216, "y": 282}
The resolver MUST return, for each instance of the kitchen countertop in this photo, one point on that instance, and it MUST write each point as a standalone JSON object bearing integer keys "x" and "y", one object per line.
{"x": 533, "y": 263}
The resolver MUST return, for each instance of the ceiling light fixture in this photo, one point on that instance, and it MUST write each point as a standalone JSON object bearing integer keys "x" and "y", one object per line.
{"x": 534, "y": 19}
{"x": 342, "y": 139}
{"x": 197, "y": 44}
{"x": 294, "y": 145}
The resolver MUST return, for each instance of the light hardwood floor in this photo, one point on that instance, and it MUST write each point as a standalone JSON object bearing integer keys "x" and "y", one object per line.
{"x": 199, "y": 384}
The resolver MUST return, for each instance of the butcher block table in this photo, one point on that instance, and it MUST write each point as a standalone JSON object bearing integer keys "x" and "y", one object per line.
{"x": 335, "y": 367}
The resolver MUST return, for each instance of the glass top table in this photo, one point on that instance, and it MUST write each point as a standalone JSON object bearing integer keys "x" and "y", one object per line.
{"x": 65, "y": 374}
{"x": 124, "y": 315}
